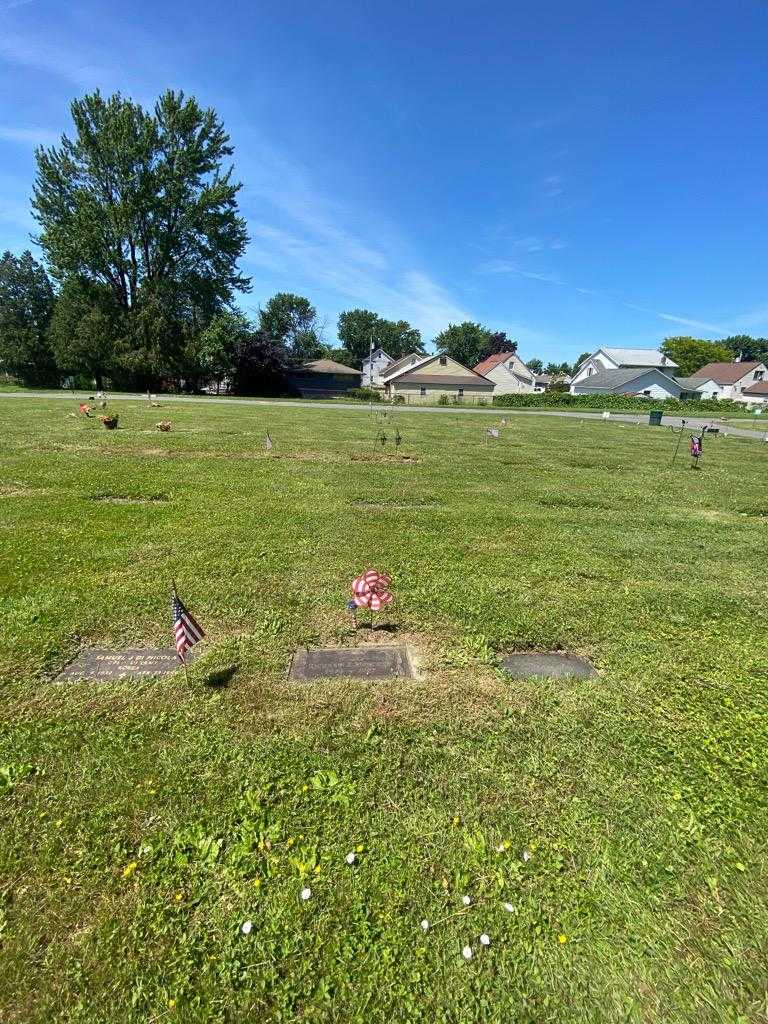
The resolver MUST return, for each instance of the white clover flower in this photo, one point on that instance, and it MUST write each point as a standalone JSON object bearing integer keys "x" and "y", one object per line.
{"x": 467, "y": 952}
{"x": 351, "y": 858}
{"x": 425, "y": 925}
{"x": 509, "y": 907}
{"x": 526, "y": 855}
{"x": 500, "y": 848}
{"x": 466, "y": 900}
{"x": 485, "y": 940}
{"x": 306, "y": 893}
{"x": 246, "y": 927}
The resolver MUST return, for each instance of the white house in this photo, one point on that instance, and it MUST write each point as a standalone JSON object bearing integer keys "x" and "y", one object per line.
{"x": 508, "y": 372}
{"x": 374, "y": 366}
{"x": 732, "y": 380}
{"x": 757, "y": 394}
{"x": 642, "y": 383}
{"x": 621, "y": 359}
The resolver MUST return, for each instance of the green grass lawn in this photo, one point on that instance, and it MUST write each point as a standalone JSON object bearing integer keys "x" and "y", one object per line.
{"x": 141, "y": 824}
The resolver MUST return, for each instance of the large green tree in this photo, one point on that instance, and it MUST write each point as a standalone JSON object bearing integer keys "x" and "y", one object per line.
{"x": 746, "y": 347}
{"x": 467, "y": 342}
{"x": 292, "y": 319}
{"x": 357, "y": 328}
{"x": 535, "y": 365}
{"x": 142, "y": 203}
{"x": 26, "y": 305}
{"x": 218, "y": 343}
{"x": 691, "y": 354}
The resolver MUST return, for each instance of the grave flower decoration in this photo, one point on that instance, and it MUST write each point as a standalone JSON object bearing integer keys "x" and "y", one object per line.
{"x": 371, "y": 590}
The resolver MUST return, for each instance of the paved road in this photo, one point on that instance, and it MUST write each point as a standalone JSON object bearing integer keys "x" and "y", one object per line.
{"x": 451, "y": 410}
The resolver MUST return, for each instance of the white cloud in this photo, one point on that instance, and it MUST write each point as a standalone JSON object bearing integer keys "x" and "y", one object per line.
{"x": 301, "y": 233}
{"x": 48, "y": 58}
{"x": 29, "y": 136}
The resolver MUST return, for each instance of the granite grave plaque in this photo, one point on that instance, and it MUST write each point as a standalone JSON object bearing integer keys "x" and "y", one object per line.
{"x": 351, "y": 663}
{"x": 547, "y": 666}
{"x": 99, "y": 663}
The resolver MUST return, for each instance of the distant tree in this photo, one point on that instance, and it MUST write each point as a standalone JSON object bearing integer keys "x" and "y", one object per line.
{"x": 467, "y": 342}
{"x": 218, "y": 342}
{"x": 292, "y": 319}
{"x": 499, "y": 342}
{"x": 749, "y": 349}
{"x": 142, "y": 203}
{"x": 26, "y": 306}
{"x": 259, "y": 364}
{"x": 691, "y": 354}
{"x": 535, "y": 365}
{"x": 85, "y": 329}
{"x": 555, "y": 369}
{"x": 338, "y": 355}
{"x": 358, "y": 327}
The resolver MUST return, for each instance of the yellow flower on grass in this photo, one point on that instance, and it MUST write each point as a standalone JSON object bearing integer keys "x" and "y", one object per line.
{"x": 171, "y": 1003}
{"x": 318, "y": 869}
{"x": 562, "y": 939}
{"x": 257, "y": 883}
{"x": 178, "y": 897}
{"x": 129, "y": 869}
{"x": 289, "y": 842}
{"x": 359, "y": 848}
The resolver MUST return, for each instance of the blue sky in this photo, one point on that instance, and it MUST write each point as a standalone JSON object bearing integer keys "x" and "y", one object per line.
{"x": 575, "y": 174}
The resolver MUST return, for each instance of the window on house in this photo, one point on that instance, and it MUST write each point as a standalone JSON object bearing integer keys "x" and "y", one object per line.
{"x": 461, "y": 392}
{"x": 443, "y": 360}
{"x": 422, "y": 391}
{"x": 647, "y": 393}
{"x": 758, "y": 375}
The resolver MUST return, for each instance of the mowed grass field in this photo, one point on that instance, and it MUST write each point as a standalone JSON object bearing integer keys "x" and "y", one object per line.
{"x": 611, "y": 834}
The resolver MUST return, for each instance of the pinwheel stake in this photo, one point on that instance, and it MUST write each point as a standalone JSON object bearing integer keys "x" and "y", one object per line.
{"x": 697, "y": 450}
{"x": 371, "y": 591}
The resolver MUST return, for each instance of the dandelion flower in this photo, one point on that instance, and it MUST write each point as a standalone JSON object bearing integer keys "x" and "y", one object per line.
{"x": 350, "y": 858}
{"x": 178, "y": 897}
{"x": 466, "y": 900}
{"x": 171, "y": 1003}
{"x": 467, "y": 952}
{"x": 425, "y": 925}
{"x": 257, "y": 883}
{"x": 485, "y": 940}
{"x": 509, "y": 907}
{"x": 129, "y": 869}
{"x": 306, "y": 893}
{"x": 246, "y": 927}
{"x": 562, "y": 939}
{"x": 359, "y": 848}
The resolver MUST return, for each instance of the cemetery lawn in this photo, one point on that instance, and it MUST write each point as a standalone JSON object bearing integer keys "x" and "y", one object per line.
{"x": 142, "y": 823}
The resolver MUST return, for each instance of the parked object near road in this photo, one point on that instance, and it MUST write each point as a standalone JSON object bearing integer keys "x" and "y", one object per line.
{"x": 654, "y": 418}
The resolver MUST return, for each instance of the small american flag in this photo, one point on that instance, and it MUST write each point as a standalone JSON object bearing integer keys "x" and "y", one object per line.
{"x": 268, "y": 443}
{"x": 493, "y": 432}
{"x": 185, "y": 630}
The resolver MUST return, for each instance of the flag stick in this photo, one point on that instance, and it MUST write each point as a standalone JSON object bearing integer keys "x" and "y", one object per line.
{"x": 183, "y": 660}
{"x": 679, "y": 437}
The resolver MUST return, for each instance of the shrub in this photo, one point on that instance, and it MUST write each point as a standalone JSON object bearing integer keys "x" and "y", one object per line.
{"x": 623, "y": 403}
{"x": 442, "y": 400}
{"x": 363, "y": 394}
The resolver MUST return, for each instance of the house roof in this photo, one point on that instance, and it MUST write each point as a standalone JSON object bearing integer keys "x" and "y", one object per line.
{"x": 402, "y": 362}
{"x": 465, "y": 380}
{"x": 410, "y": 373}
{"x": 691, "y": 383}
{"x": 726, "y": 373}
{"x": 760, "y": 387}
{"x": 494, "y": 360}
{"x": 638, "y": 357}
{"x": 327, "y": 366}
{"x": 377, "y": 352}
{"x": 609, "y": 380}
{"x": 550, "y": 378}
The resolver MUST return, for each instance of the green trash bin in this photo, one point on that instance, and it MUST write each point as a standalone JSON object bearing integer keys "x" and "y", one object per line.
{"x": 654, "y": 419}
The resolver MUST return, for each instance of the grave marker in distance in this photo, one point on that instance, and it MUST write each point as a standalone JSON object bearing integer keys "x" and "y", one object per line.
{"x": 547, "y": 666}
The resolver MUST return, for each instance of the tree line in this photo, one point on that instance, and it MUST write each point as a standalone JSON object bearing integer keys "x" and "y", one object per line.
{"x": 141, "y": 238}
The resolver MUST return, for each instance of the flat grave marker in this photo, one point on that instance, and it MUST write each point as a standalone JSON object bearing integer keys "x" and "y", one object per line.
{"x": 351, "y": 663}
{"x": 547, "y": 666}
{"x": 101, "y": 664}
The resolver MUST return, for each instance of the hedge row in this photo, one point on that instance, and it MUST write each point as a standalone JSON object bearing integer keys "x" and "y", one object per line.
{"x": 627, "y": 403}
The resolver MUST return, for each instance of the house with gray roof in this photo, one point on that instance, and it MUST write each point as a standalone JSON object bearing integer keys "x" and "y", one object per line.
{"x": 621, "y": 359}
{"x": 641, "y": 383}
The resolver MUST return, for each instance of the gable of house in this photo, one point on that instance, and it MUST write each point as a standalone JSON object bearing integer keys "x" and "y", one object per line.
{"x": 734, "y": 377}
{"x": 652, "y": 383}
{"x": 622, "y": 358}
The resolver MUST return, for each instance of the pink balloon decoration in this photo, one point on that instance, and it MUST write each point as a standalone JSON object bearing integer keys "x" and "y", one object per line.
{"x": 371, "y": 590}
